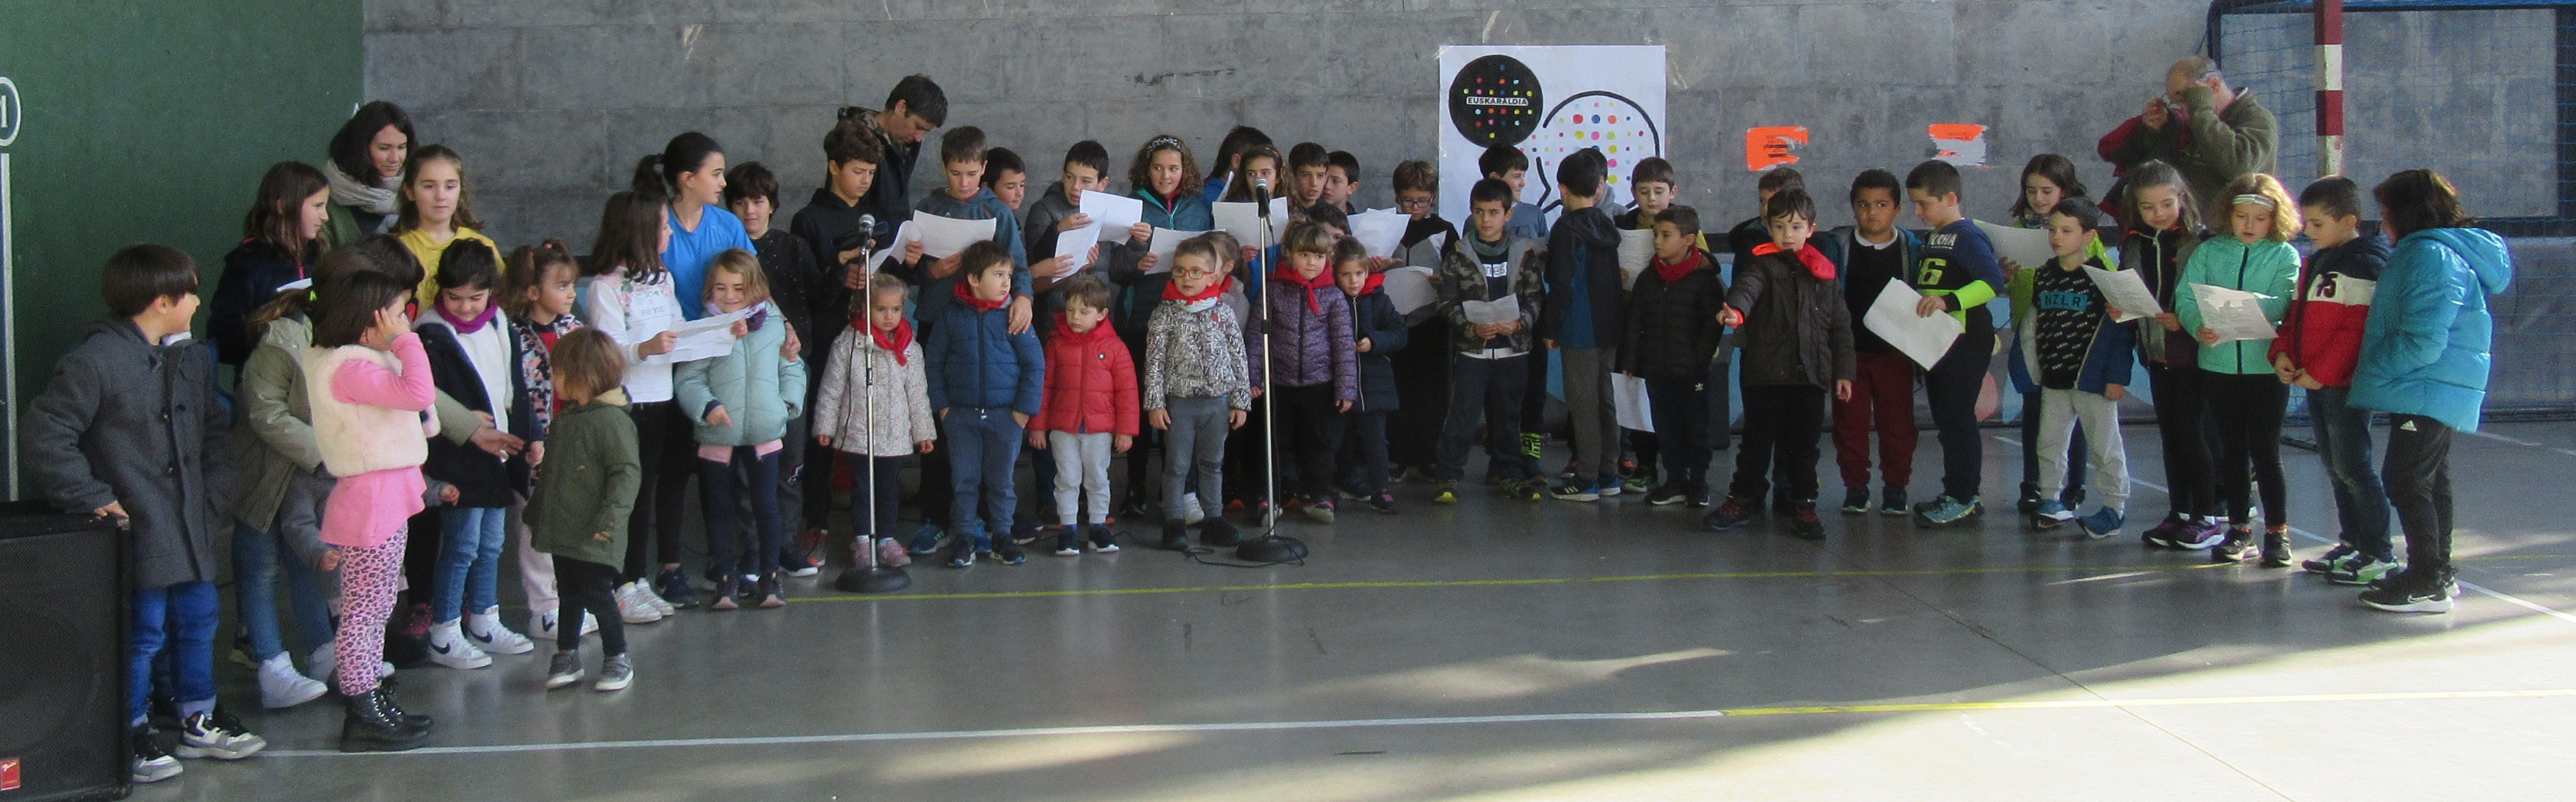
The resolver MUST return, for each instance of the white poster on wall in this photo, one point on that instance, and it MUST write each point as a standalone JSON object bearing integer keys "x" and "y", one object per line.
{"x": 1548, "y": 101}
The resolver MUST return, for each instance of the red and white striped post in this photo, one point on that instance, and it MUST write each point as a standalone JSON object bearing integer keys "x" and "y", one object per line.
{"x": 2329, "y": 87}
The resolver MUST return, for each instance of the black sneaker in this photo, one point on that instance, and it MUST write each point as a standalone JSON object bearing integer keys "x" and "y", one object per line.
{"x": 1803, "y": 523}
{"x": 1733, "y": 514}
{"x": 1008, "y": 553}
{"x": 2408, "y": 594}
{"x": 1665, "y": 495}
{"x": 2238, "y": 547}
{"x": 151, "y": 764}
{"x": 2029, "y": 501}
{"x": 1218, "y": 533}
{"x": 1383, "y": 503}
{"x": 2334, "y": 558}
{"x": 1894, "y": 504}
{"x": 1103, "y": 541}
{"x": 961, "y": 552}
{"x": 1176, "y": 535}
{"x": 1068, "y": 542}
{"x": 1856, "y": 500}
{"x": 674, "y": 587}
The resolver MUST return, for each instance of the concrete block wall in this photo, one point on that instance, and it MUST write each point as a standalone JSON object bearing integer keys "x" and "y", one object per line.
{"x": 553, "y": 102}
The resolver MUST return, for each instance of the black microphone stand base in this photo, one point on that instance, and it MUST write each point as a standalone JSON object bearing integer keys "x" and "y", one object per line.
{"x": 872, "y": 579}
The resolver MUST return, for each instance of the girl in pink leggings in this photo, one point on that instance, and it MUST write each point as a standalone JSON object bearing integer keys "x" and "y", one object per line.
{"x": 370, "y": 381}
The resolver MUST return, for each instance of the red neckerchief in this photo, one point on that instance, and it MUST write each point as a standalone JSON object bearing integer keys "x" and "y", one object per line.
{"x": 1672, "y": 272}
{"x": 1375, "y": 282}
{"x": 966, "y": 295}
{"x": 1172, "y": 291}
{"x": 1813, "y": 259}
{"x": 1323, "y": 278}
{"x": 894, "y": 344}
{"x": 1064, "y": 332}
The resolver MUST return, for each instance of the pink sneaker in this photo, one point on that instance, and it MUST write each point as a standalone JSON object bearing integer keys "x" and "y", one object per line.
{"x": 891, "y": 554}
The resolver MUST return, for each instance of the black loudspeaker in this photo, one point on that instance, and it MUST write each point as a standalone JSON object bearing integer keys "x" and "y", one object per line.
{"x": 62, "y": 656}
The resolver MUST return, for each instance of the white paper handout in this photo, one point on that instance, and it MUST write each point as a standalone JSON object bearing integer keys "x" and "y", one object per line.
{"x": 1244, "y": 221}
{"x": 1628, "y": 393}
{"x": 2234, "y": 314}
{"x": 2027, "y": 247}
{"x": 1892, "y": 318}
{"x": 903, "y": 233}
{"x": 1506, "y": 309}
{"x": 1636, "y": 247}
{"x": 1381, "y": 230}
{"x": 943, "y": 237}
{"x": 1409, "y": 288}
{"x": 704, "y": 338}
{"x": 1074, "y": 247}
{"x": 1162, "y": 246}
{"x": 2126, "y": 291}
{"x": 1114, "y": 213}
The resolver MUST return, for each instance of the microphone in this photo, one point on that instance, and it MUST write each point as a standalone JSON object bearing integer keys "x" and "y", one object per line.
{"x": 868, "y": 229}
{"x": 1261, "y": 192}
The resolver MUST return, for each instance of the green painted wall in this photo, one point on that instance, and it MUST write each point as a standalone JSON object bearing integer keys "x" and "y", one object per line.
{"x": 152, "y": 121}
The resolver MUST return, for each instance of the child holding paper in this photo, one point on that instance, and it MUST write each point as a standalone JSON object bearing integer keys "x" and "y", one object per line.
{"x": 1377, "y": 332}
{"x": 1057, "y": 212}
{"x": 2319, "y": 346}
{"x": 1488, "y": 361}
{"x": 961, "y": 156}
{"x": 2079, "y": 358}
{"x": 741, "y": 403}
{"x": 1166, "y": 177}
{"x": 1867, "y": 255}
{"x": 1957, "y": 274}
{"x": 2163, "y": 232}
{"x": 2046, "y": 179}
{"x": 1421, "y": 373}
{"x": 1672, "y": 329}
{"x": 1796, "y": 336}
{"x": 2245, "y": 398}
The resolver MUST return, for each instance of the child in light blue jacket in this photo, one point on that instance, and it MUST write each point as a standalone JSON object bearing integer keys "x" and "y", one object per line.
{"x": 741, "y": 403}
{"x": 2246, "y": 399}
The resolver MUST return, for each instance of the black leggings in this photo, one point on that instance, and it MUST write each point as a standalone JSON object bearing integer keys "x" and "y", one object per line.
{"x": 2182, "y": 423}
{"x": 668, "y": 448}
{"x": 2247, "y": 409}
{"x": 1305, "y": 438}
{"x": 589, "y": 587}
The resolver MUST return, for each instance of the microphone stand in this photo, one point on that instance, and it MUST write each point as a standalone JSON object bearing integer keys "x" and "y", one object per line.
{"x": 868, "y": 576}
{"x": 1270, "y": 403}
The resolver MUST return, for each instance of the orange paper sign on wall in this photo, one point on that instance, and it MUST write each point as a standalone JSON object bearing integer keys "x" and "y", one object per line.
{"x": 1768, "y": 146}
{"x": 1961, "y": 144}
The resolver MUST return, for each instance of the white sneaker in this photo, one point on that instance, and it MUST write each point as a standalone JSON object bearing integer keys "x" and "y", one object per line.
{"x": 644, "y": 591}
{"x": 323, "y": 662}
{"x": 448, "y": 647}
{"x": 631, "y": 607}
{"x": 541, "y": 626}
{"x": 280, "y": 687}
{"x": 487, "y": 633}
{"x": 1190, "y": 512}
{"x": 589, "y": 623}
{"x": 218, "y": 736}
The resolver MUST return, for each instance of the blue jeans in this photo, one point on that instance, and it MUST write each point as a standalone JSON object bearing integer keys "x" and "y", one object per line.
{"x": 256, "y": 560}
{"x": 983, "y": 444}
{"x": 2343, "y": 441}
{"x": 716, "y": 491}
{"x": 469, "y": 560}
{"x": 179, "y": 621}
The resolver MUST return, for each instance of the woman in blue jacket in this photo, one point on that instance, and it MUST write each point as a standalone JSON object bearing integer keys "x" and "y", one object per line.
{"x": 2424, "y": 361}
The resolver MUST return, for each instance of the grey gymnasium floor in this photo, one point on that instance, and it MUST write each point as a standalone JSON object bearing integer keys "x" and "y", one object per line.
{"x": 1551, "y": 650}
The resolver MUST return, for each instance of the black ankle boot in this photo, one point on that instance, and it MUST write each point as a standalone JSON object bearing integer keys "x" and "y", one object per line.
{"x": 415, "y": 721}
{"x": 372, "y": 726}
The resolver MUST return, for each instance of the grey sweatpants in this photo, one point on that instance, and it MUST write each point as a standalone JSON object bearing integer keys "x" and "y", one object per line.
{"x": 1081, "y": 471}
{"x": 2059, "y": 411}
{"x": 1589, "y": 405}
{"x": 1197, "y": 439}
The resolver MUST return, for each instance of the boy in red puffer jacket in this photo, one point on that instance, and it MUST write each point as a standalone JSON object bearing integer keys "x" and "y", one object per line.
{"x": 1089, "y": 410}
{"x": 2319, "y": 344}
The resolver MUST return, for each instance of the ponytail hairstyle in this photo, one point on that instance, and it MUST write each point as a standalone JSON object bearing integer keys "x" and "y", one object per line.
{"x": 658, "y": 175}
{"x": 2159, "y": 174}
{"x": 277, "y": 213}
{"x": 345, "y": 308}
{"x": 1140, "y": 171}
{"x": 1237, "y": 142}
{"x": 630, "y": 236}
{"x": 2058, "y": 170}
{"x": 2416, "y": 200}
{"x": 424, "y": 155}
{"x": 331, "y": 267}
{"x": 529, "y": 266}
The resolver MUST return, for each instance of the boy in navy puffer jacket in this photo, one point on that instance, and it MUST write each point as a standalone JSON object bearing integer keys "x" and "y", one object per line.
{"x": 985, "y": 385}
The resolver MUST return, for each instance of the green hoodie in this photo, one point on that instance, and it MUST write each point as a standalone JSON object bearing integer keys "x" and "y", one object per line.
{"x": 586, "y": 487}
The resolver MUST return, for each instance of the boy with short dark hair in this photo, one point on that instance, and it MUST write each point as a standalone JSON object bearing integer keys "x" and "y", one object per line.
{"x": 1755, "y": 232}
{"x": 2079, "y": 356}
{"x": 1421, "y": 371}
{"x": 1488, "y": 370}
{"x": 130, "y": 428}
{"x": 2319, "y": 346}
{"x": 1341, "y": 180}
{"x": 985, "y": 385}
{"x": 1056, "y": 211}
{"x": 1584, "y": 321}
{"x": 1796, "y": 337}
{"x": 1007, "y": 176}
{"x": 1866, "y": 256}
{"x": 1307, "y": 164}
{"x": 1957, "y": 272}
{"x": 1672, "y": 329}
{"x": 1511, "y": 166}
{"x": 829, "y": 222}
{"x": 961, "y": 158}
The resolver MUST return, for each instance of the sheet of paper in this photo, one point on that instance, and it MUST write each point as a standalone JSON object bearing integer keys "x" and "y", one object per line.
{"x": 1244, "y": 221}
{"x": 703, "y": 338}
{"x": 2234, "y": 314}
{"x": 1409, "y": 288}
{"x": 2126, "y": 291}
{"x": 1636, "y": 247}
{"x": 1505, "y": 309}
{"x": 1114, "y": 213}
{"x": 1075, "y": 247}
{"x": 1164, "y": 243}
{"x": 903, "y": 233}
{"x": 2027, "y": 247}
{"x": 1892, "y": 318}
{"x": 943, "y": 237}
{"x": 1381, "y": 230}
{"x": 1629, "y": 394}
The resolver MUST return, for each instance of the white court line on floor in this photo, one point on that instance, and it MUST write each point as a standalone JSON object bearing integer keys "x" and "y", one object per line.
{"x": 2521, "y": 442}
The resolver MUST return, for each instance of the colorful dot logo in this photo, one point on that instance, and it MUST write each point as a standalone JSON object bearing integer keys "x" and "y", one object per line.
{"x": 1495, "y": 100}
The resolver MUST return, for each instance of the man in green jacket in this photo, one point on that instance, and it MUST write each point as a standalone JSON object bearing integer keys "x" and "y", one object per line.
{"x": 2212, "y": 132}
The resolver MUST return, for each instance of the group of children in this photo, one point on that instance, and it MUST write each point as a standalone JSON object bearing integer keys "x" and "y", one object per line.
{"x": 395, "y": 371}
